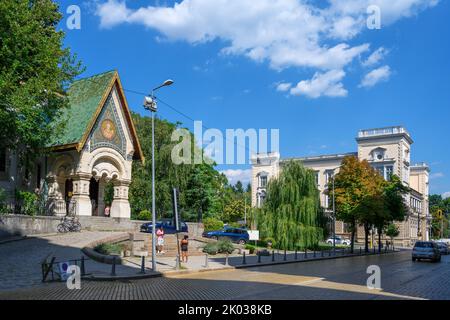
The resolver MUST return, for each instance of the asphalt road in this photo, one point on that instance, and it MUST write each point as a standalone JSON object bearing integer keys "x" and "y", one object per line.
{"x": 344, "y": 278}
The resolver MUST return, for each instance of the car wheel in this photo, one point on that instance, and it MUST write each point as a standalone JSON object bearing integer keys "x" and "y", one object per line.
{"x": 241, "y": 241}
{"x": 414, "y": 259}
{"x": 214, "y": 238}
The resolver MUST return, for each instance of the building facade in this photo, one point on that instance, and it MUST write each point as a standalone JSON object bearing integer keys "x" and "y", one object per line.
{"x": 97, "y": 145}
{"x": 388, "y": 150}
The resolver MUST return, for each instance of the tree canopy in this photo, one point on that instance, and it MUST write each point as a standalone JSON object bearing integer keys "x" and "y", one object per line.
{"x": 291, "y": 213}
{"x": 35, "y": 70}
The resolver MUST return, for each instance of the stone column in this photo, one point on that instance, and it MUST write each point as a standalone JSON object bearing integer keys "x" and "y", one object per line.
{"x": 83, "y": 205}
{"x": 120, "y": 207}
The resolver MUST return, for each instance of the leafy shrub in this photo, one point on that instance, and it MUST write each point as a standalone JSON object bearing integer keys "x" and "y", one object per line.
{"x": 251, "y": 248}
{"x": 225, "y": 246}
{"x": 29, "y": 202}
{"x": 145, "y": 215}
{"x": 109, "y": 248}
{"x": 212, "y": 224}
{"x": 3, "y": 198}
{"x": 211, "y": 248}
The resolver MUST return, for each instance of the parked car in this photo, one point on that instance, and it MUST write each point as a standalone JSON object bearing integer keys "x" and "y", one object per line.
{"x": 443, "y": 248}
{"x": 237, "y": 235}
{"x": 339, "y": 240}
{"x": 426, "y": 250}
{"x": 167, "y": 224}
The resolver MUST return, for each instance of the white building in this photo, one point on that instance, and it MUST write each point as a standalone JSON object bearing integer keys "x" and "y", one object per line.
{"x": 388, "y": 150}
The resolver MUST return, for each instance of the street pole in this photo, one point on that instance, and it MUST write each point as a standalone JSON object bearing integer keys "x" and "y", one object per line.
{"x": 334, "y": 220}
{"x": 153, "y": 194}
{"x": 150, "y": 104}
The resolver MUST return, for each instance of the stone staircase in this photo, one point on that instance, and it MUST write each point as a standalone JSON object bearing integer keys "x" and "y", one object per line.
{"x": 170, "y": 245}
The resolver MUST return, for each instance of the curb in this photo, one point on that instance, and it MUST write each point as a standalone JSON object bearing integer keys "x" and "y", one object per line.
{"x": 27, "y": 237}
{"x": 262, "y": 264}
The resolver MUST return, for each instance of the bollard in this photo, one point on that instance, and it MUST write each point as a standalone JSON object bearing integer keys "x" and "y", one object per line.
{"x": 285, "y": 256}
{"x": 243, "y": 259}
{"x": 321, "y": 253}
{"x": 83, "y": 270}
{"x": 259, "y": 257}
{"x": 329, "y": 253}
{"x": 177, "y": 262}
{"x": 113, "y": 268}
{"x": 360, "y": 250}
{"x": 142, "y": 265}
{"x": 296, "y": 254}
{"x": 273, "y": 255}
{"x": 385, "y": 249}
{"x": 206, "y": 261}
{"x": 226, "y": 259}
{"x": 314, "y": 253}
{"x": 306, "y": 253}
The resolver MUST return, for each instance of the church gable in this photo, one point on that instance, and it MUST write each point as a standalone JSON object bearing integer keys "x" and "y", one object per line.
{"x": 108, "y": 130}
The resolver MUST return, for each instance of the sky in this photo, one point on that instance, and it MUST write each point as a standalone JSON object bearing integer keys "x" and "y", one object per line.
{"x": 318, "y": 71}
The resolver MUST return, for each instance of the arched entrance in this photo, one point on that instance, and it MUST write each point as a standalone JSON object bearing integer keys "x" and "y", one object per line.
{"x": 94, "y": 195}
{"x": 68, "y": 194}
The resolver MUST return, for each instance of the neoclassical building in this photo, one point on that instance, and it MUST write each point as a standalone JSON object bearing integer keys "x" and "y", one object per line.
{"x": 388, "y": 150}
{"x": 97, "y": 145}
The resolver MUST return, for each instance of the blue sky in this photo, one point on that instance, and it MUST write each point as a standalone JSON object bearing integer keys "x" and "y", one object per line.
{"x": 311, "y": 69}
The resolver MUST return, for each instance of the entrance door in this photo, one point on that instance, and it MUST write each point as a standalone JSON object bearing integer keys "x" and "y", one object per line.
{"x": 68, "y": 193}
{"x": 93, "y": 195}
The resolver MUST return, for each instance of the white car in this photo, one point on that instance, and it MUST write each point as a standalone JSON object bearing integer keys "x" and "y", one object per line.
{"x": 339, "y": 240}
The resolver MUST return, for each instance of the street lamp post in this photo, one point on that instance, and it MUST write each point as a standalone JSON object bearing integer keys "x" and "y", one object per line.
{"x": 334, "y": 219}
{"x": 150, "y": 104}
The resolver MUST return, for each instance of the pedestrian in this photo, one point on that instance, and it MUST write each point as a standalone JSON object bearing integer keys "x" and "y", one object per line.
{"x": 160, "y": 238}
{"x": 184, "y": 249}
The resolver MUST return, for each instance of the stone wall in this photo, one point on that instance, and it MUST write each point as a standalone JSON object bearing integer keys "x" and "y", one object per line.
{"x": 21, "y": 225}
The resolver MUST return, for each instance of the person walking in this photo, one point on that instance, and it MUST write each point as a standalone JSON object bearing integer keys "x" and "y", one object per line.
{"x": 160, "y": 240}
{"x": 184, "y": 249}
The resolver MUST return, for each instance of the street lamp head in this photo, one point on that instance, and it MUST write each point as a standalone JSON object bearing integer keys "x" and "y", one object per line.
{"x": 168, "y": 82}
{"x": 150, "y": 104}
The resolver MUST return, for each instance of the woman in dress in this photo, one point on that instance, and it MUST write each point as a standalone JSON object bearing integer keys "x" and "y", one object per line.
{"x": 184, "y": 249}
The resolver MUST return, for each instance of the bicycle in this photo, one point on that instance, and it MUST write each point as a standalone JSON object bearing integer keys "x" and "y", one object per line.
{"x": 69, "y": 225}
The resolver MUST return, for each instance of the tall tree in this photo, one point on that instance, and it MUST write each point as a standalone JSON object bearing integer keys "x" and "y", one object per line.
{"x": 357, "y": 186}
{"x": 35, "y": 71}
{"x": 291, "y": 213}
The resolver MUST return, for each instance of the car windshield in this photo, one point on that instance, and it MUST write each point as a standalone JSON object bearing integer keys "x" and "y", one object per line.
{"x": 424, "y": 245}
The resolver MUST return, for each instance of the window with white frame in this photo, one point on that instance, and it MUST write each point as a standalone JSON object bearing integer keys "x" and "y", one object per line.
{"x": 263, "y": 181}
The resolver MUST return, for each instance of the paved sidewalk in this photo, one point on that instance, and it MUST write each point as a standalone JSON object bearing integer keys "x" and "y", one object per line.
{"x": 20, "y": 265}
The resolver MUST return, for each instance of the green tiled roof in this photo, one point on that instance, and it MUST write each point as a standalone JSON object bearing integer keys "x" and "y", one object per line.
{"x": 84, "y": 97}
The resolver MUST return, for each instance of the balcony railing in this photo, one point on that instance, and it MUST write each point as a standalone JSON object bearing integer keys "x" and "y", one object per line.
{"x": 382, "y": 131}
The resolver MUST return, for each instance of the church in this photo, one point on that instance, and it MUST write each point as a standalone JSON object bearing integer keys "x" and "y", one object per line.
{"x": 97, "y": 146}
{"x": 388, "y": 150}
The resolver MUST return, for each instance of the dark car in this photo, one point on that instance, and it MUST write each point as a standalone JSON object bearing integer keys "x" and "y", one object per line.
{"x": 167, "y": 224}
{"x": 237, "y": 235}
{"x": 426, "y": 250}
{"x": 443, "y": 248}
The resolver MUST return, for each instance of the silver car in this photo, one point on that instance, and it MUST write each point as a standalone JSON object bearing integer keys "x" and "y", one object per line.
{"x": 426, "y": 250}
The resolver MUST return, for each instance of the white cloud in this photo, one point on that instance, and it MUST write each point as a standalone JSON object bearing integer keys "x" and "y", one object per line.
{"x": 436, "y": 175}
{"x": 375, "y": 57}
{"x": 376, "y": 76}
{"x": 283, "y": 33}
{"x": 446, "y": 195}
{"x": 322, "y": 84}
{"x": 234, "y": 176}
{"x": 283, "y": 86}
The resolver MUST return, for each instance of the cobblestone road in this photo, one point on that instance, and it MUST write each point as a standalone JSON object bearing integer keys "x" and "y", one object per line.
{"x": 332, "y": 279}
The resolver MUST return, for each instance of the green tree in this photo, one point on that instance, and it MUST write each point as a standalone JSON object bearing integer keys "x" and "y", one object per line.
{"x": 357, "y": 195}
{"x": 291, "y": 212}
{"x": 35, "y": 72}
{"x": 201, "y": 186}
{"x": 392, "y": 231}
{"x": 439, "y": 225}
{"x": 234, "y": 211}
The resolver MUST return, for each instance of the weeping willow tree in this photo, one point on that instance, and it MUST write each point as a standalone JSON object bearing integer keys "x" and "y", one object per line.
{"x": 291, "y": 215}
